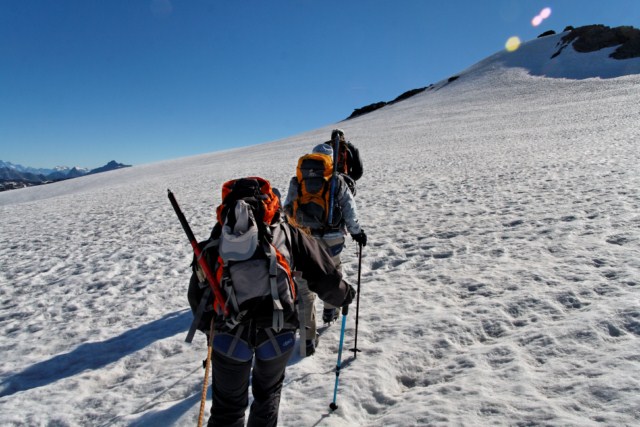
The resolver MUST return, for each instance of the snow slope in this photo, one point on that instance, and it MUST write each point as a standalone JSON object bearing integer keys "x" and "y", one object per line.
{"x": 500, "y": 285}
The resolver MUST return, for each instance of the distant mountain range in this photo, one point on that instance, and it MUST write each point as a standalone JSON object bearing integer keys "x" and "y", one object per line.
{"x": 14, "y": 176}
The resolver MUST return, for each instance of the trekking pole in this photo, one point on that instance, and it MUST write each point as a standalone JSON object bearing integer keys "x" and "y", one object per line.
{"x": 207, "y": 364}
{"x": 355, "y": 345}
{"x": 334, "y": 178}
{"x": 345, "y": 311}
{"x": 202, "y": 262}
{"x": 297, "y": 278}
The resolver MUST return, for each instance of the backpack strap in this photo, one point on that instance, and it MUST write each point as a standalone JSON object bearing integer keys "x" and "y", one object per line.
{"x": 197, "y": 316}
{"x": 274, "y": 342}
{"x": 278, "y": 311}
{"x": 232, "y": 301}
{"x": 283, "y": 261}
{"x": 234, "y": 343}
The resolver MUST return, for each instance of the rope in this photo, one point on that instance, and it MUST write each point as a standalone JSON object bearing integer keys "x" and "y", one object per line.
{"x": 203, "y": 399}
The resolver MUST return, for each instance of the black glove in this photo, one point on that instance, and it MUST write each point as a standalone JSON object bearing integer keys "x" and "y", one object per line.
{"x": 351, "y": 294}
{"x": 361, "y": 238}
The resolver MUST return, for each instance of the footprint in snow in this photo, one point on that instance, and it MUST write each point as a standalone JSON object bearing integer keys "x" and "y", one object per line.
{"x": 443, "y": 255}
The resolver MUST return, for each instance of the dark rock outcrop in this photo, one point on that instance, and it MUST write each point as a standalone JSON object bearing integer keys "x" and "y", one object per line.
{"x": 592, "y": 38}
{"x": 377, "y": 105}
{"x": 367, "y": 109}
{"x": 408, "y": 94}
{"x": 547, "y": 33}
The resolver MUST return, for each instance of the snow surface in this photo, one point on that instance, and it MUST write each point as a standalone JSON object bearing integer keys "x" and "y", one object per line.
{"x": 500, "y": 285}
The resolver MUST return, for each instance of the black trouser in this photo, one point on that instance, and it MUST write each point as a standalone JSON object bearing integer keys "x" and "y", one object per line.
{"x": 232, "y": 369}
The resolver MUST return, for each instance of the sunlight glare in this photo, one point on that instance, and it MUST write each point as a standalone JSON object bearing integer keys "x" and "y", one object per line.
{"x": 512, "y": 44}
{"x": 544, "y": 14}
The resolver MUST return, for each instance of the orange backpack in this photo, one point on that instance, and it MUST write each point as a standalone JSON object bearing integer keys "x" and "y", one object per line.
{"x": 249, "y": 187}
{"x": 253, "y": 274}
{"x": 311, "y": 206}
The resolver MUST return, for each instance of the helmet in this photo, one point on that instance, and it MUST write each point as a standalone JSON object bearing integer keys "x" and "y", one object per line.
{"x": 323, "y": 149}
{"x": 338, "y": 132}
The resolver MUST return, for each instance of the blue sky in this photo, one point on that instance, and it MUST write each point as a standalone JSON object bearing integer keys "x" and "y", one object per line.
{"x": 83, "y": 82}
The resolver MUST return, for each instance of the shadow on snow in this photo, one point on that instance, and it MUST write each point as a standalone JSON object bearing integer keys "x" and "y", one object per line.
{"x": 95, "y": 355}
{"x": 168, "y": 416}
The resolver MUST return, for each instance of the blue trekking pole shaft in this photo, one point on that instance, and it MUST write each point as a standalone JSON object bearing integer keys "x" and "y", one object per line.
{"x": 334, "y": 178}
{"x": 345, "y": 311}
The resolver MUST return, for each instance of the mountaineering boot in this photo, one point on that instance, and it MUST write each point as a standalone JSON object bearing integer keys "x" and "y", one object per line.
{"x": 312, "y": 345}
{"x": 329, "y": 315}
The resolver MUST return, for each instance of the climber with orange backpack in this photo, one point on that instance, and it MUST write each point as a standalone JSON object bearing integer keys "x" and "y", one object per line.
{"x": 320, "y": 202}
{"x": 252, "y": 258}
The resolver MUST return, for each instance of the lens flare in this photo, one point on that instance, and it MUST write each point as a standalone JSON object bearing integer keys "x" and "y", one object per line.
{"x": 544, "y": 14}
{"x": 512, "y": 44}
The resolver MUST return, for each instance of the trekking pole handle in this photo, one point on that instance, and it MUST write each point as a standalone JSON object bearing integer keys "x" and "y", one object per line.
{"x": 345, "y": 310}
